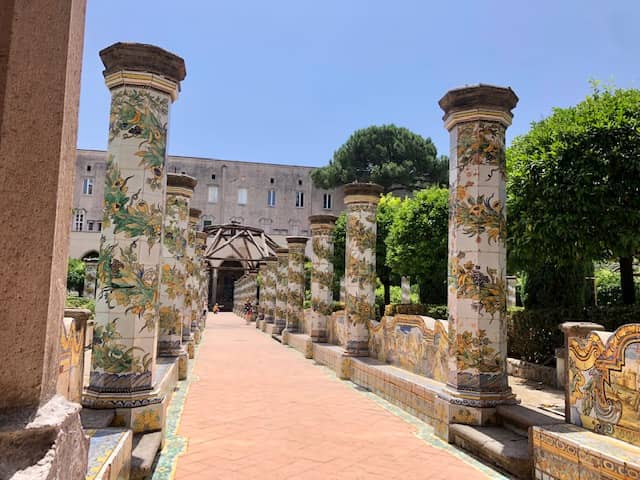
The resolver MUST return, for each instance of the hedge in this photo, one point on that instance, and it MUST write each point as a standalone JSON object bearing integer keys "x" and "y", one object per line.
{"x": 435, "y": 311}
{"x": 533, "y": 335}
{"x": 81, "y": 302}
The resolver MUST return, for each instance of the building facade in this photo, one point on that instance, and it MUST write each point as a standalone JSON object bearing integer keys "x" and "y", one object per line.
{"x": 277, "y": 198}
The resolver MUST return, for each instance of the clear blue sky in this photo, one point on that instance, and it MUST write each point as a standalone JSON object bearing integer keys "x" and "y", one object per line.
{"x": 287, "y": 81}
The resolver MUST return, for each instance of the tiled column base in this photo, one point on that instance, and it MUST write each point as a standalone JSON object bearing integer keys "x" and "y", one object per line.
{"x": 143, "y": 411}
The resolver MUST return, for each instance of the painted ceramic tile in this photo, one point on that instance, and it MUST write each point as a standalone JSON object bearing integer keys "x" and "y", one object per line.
{"x": 604, "y": 383}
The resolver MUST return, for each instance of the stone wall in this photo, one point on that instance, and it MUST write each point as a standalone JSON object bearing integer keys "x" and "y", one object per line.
{"x": 604, "y": 382}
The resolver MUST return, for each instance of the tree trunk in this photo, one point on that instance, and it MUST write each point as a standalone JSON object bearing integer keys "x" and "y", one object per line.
{"x": 387, "y": 292}
{"x": 626, "y": 281}
{"x": 423, "y": 291}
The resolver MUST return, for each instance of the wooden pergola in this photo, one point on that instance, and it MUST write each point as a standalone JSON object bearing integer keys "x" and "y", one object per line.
{"x": 232, "y": 250}
{"x": 240, "y": 243}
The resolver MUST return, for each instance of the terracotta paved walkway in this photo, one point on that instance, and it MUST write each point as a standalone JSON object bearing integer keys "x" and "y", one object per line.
{"x": 261, "y": 411}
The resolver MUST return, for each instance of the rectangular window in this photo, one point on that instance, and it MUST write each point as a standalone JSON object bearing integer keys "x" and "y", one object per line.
{"x": 326, "y": 201}
{"x": 271, "y": 198}
{"x": 78, "y": 221}
{"x": 87, "y": 186}
{"x": 98, "y": 226}
{"x": 207, "y": 223}
{"x": 242, "y": 196}
{"x": 90, "y": 225}
{"x": 299, "y": 199}
{"x": 212, "y": 194}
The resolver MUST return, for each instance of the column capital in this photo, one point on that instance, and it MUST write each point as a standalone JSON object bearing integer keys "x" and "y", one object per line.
{"x": 143, "y": 65}
{"x": 322, "y": 223}
{"x": 291, "y": 241}
{"x": 478, "y": 102}
{"x": 362, "y": 193}
{"x": 180, "y": 184}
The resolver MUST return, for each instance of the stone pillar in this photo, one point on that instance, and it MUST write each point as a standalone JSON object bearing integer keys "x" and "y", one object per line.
{"x": 361, "y": 200}
{"x": 201, "y": 278}
{"x": 90, "y": 278}
{"x": 213, "y": 286}
{"x": 173, "y": 279}
{"x": 343, "y": 291}
{"x": 191, "y": 293}
{"x": 295, "y": 284}
{"x": 143, "y": 80}
{"x": 263, "y": 296}
{"x": 40, "y": 62}
{"x": 476, "y": 118}
{"x": 269, "y": 288}
{"x": 321, "y": 274}
{"x": 282, "y": 291}
{"x": 405, "y": 286}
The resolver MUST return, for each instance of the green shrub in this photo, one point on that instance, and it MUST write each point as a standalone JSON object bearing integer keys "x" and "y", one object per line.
{"x": 75, "y": 275}
{"x": 81, "y": 302}
{"x": 435, "y": 311}
{"x": 608, "y": 287}
{"x": 533, "y": 335}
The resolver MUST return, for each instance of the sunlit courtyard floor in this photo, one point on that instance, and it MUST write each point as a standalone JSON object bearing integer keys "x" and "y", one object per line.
{"x": 256, "y": 409}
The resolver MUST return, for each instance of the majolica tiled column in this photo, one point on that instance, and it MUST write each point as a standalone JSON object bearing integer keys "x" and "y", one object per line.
{"x": 282, "y": 273}
{"x": 262, "y": 269}
{"x": 295, "y": 284}
{"x": 202, "y": 278}
{"x": 476, "y": 118}
{"x": 321, "y": 274}
{"x": 191, "y": 294}
{"x": 173, "y": 279}
{"x": 361, "y": 200}
{"x": 144, "y": 81}
{"x": 269, "y": 285}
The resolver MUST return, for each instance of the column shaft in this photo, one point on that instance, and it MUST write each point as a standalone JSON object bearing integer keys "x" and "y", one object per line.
{"x": 269, "y": 285}
{"x": 281, "y": 289}
{"x": 126, "y": 329}
{"x": 321, "y": 274}
{"x": 360, "y": 264}
{"x": 174, "y": 269}
{"x": 295, "y": 283}
{"x": 40, "y": 62}
{"x": 477, "y": 118}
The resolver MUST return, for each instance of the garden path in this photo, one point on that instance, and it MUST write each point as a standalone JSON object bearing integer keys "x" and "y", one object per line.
{"x": 257, "y": 409}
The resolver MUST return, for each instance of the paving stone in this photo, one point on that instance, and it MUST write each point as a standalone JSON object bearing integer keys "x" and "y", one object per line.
{"x": 260, "y": 410}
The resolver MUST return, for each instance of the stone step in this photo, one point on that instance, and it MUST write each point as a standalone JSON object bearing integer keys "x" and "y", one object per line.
{"x": 519, "y": 418}
{"x": 93, "y": 418}
{"x": 495, "y": 445}
{"x": 145, "y": 449}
